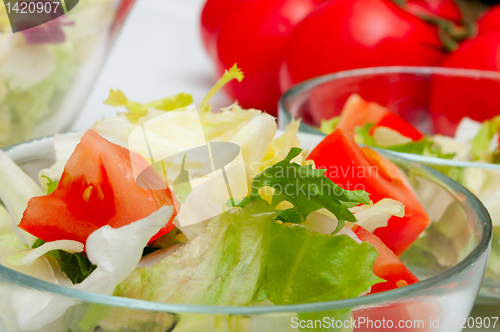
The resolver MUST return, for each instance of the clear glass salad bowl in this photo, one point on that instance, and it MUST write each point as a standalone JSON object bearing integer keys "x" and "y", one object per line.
{"x": 46, "y": 72}
{"x": 442, "y": 301}
{"x": 409, "y": 92}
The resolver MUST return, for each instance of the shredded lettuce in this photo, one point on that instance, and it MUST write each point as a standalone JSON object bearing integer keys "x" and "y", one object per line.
{"x": 31, "y": 106}
{"x": 16, "y": 189}
{"x": 72, "y": 262}
{"x": 328, "y": 126}
{"x": 233, "y": 73}
{"x": 308, "y": 189}
{"x": 481, "y": 143}
{"x": 137, "y": 110}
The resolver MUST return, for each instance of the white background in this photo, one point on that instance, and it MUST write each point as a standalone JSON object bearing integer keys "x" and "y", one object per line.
{"x": 158, "y": 54}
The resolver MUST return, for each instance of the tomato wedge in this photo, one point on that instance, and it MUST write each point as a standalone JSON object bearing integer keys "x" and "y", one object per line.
{"x": 387, "y": 266}
{"x": 97, "y": 188}
{"x": 355, "y": 168}
{"x": 358, "y": 112}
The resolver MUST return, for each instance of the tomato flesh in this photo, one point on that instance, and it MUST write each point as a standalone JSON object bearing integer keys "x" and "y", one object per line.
{"x": 97, "y": 188}
{"x": 355, "y": 168}
{"x": 358, "y": 112}
{"x": 387, "y": 265}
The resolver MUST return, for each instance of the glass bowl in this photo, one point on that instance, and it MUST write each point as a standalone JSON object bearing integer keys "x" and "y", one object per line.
{"x": 418, "y": 95}
{"x": 46, "y": 72}
{"x": 442, "y": 301}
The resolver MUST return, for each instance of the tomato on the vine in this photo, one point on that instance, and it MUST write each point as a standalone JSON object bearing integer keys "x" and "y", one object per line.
{"x": 489, "y": 22}
{"x": 255, "y": 37}
{"x": 349, "y": 34}
{"x": 436, "y": 9}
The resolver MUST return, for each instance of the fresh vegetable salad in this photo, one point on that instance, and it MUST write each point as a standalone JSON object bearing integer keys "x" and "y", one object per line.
{"x": 129, "y": 209}
{"x": 374, "y": 125}
{"x": 39, "y": 68}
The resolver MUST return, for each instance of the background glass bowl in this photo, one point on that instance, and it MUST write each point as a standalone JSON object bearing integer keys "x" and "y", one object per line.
{"x": 408, "y": 91}
{"x": 46, "y": 72}
{"x": 441, "y": 301}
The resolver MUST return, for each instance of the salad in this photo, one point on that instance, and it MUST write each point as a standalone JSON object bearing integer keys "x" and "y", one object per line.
{"x": 374, "y": 125}
{"x": 129, "y": 209}
{"x": 39, "y": 68}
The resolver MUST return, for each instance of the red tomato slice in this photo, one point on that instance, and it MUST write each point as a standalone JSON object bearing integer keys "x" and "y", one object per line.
{"x": 353, "y": 168}
{"x": 387, "y": 266}
{"x": 400, "y": 125}
{"x": 358, "y": 112}
{"x": 97, "y": 188}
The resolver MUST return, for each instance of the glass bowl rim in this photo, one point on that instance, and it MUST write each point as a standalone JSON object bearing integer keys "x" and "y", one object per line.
{"x": 484, "y": 221}
{"x": 459, "y": 72}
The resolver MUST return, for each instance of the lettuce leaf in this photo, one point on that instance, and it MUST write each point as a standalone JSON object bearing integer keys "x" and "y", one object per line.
{"x": 308, "y": 189}
{"x": 76, "y": 266}
{"x": 424, "y": 146}
{"x": 31, "y": 107}
{"x": 328, "y": 126}
{"x": 220, "y": 267}
{"x": 137, "y": 110}
{"x": 246, "y": 256}
{"x": 300, "y": 266}
{"x": 481, "y": 143}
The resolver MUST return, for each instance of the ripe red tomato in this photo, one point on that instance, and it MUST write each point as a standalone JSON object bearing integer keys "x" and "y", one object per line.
{"x": 355, "y": 168}
{"x": 349, "y": 34}
{"x": 215, "y": 13}
{"x": 452, "y": 98}
{"x": 255, "y": 37}
{"x": 489, "y": 22}
{"x": 446, "y": 9}
{"x": 97, "y": 188}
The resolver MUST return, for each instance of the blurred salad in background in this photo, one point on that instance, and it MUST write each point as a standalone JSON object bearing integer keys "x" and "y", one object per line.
{"x": 47, "y": 71}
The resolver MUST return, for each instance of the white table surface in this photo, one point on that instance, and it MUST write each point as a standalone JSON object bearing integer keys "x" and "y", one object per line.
{"x": 157, "y": 54}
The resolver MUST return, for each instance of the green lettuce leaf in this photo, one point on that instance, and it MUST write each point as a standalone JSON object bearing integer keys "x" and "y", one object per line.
{"x": 481, "y": 143}
{"x": 29, "y": 108}
{"x": 327, "y": 126}
{"x": 182, "y": 186}
{"x": 137, "y": 110}
{"x": 51, "y": 185}
{"x": 300, "y": 266}
{"x": 219, "y": 267}
{"x": 425, "y": 147}
{"x": 362, "y": 134}
{"x": 247, "y": 256}
{"x": 308, "y": 189}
